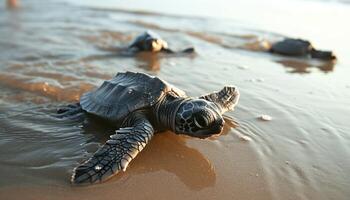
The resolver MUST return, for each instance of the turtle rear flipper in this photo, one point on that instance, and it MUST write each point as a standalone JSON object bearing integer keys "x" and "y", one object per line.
{"x": 226, "y": 99}
{"x": 71, "y": 111}
{"x": 116, "y": 154}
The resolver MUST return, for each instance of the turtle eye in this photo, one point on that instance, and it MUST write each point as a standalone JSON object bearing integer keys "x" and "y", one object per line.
{"x": 201, "y": 121}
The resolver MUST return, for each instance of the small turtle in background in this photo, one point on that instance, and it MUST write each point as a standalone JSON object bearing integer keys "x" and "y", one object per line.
{"x": 140, "y": 105}
{"x": 299, "y": 47}
{"x": 151, "y": 41}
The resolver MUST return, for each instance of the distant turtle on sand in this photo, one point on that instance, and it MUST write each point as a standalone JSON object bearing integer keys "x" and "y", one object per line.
{"x": 151, "y": 41}
{"x": 140, "y": 105}
{"x": 299, "y": 47}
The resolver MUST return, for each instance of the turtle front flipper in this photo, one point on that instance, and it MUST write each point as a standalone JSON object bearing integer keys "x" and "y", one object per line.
{"x": 115, "y": 154}
{"x": 324, "y": 55}
{"x": 226, "y": 99}
{"x": 187, "y": 50}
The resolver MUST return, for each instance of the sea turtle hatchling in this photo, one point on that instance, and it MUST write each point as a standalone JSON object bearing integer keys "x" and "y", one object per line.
{"x": 151, "y": 41}
{"x": 141, "y": 105}
{"x": 300, "y": 47}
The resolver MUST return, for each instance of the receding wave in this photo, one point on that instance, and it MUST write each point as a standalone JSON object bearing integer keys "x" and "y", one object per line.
{"x": 50, "y": 88}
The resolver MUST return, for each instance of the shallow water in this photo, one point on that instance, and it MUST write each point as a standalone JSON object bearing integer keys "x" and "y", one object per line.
{"x": 53, "y": 52}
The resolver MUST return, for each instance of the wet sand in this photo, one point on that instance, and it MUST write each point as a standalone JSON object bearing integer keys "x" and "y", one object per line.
{"x": 169, "y": 168}
{"x": 52, "y": 58}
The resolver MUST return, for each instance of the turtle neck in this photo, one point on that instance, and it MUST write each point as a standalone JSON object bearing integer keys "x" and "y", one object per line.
{"x": 166, "y": 110}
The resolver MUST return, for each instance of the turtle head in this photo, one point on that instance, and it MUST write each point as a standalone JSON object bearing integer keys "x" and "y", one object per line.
{"x": 155, "y": 44}
{"x": 198, "y": 118}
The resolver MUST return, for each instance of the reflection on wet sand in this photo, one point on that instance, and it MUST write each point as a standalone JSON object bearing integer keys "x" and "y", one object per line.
{"x": 148, "y": 60}
{"x": 303, "y": 66}
{"x": 166, "y": 152}
{"x": 169, "y": 152}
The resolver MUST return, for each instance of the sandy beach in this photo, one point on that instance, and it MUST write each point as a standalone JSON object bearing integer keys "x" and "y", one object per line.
{"x": 54, "y": 51}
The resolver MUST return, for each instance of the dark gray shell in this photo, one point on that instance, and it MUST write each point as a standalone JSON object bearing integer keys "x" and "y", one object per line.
{"x": 145, "y": 36}
{"x": 149, "y": 41}
{"x": 292, "y": 47}
{"x": 125, "y": 93}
